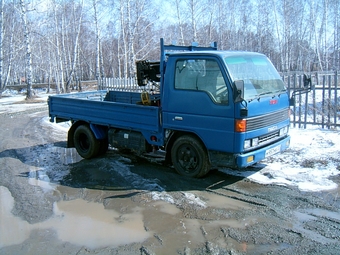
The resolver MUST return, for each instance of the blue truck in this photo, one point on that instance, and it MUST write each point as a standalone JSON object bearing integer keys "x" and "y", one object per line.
{"x": 213, "y": 108}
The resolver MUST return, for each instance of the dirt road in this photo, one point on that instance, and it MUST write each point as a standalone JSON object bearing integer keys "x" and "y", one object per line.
{"x": 54, "y": 202}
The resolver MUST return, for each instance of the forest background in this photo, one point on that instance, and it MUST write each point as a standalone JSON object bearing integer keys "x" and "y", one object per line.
{"x": 64, "y": 41}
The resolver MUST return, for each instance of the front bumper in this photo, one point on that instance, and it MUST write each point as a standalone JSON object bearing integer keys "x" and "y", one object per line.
{"x": 252, "y": 157}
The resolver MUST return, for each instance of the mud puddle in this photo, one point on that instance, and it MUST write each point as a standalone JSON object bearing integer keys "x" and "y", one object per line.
{"x": 77, "y": 221}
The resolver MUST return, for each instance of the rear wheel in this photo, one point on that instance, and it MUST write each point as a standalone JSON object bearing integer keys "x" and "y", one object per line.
{"x": 190, "y": 157}
{"x": 85, "y": 142}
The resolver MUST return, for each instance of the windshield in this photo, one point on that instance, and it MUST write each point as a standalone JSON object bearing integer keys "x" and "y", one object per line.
{"x": 258, "y": 73}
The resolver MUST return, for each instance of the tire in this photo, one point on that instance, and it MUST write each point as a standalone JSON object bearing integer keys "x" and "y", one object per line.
{"x": 189, "y": 157}
{"x": 85, "y": 142}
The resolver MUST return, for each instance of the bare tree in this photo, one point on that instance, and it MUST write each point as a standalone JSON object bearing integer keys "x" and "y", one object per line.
{"x": 179, "y": 20}
{"x": 74, "y": 59}
{"x": 123, "y": 35}
{"x": 194, "y": 10}
{"x": 98, "y": 73}
{"x": 28, "y": 50}
{"x": 336, "y": 38}
{"x": 2, "y": 87}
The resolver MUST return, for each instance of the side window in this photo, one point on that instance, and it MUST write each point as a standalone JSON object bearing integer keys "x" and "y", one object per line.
{"x": 202, "y": 75}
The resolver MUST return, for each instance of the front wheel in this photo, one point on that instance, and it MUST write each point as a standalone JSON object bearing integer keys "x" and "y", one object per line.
{"x": 85, "y": 142}
{"x": 190, "y": 157}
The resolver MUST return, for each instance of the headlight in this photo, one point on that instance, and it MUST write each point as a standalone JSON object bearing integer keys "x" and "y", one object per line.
{"x": 247, "y": 144}
{"x": 255, "y": 141}
{"x": 283, "y": 131}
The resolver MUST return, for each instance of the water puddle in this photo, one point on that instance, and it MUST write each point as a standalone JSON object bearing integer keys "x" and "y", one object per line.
{"x": 87, "y": 223}
{"x": 77, "y": 221}
{"x": 39, "y": 178}
{"x": 218, "y": 201}
{"x": 67, "y": 155}
{"x": 13, "y": 230}
{"x": 167, "y": 208}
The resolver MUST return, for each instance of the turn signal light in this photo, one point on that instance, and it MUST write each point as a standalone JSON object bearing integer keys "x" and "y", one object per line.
{"x": 250, "y": 159}
{"x": 240, "y": 125}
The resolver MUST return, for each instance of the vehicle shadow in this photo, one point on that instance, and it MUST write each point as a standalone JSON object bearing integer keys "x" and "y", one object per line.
{"x": 56, "y": 164}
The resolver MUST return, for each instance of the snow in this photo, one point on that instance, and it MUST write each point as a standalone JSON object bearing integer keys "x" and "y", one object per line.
{"x": 313, "y": 157}
{"x": 310, "y": 162}
{"x": 10, "y": 102}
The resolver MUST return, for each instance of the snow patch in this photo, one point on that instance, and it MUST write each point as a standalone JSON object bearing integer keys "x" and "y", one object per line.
{"x": 62, "y": 126}
{"x": 194, "y": 200}
{"x": 313, "y": 157}
{"x": 187, "y": 197}
{"x": 163, "y": 196}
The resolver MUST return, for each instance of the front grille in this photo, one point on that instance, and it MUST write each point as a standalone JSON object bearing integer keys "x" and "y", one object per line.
{"x": 268, "y": 138}
{"x": 267, "y": 120}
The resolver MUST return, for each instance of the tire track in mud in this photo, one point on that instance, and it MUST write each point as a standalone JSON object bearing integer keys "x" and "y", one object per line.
{"x": 317, "y": 226}
{"x": 237, "y": 195}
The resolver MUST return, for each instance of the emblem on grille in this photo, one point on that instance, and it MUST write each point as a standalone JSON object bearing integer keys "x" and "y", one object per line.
{"x": 273, "y": 101}
{"x": 271, "y": 129}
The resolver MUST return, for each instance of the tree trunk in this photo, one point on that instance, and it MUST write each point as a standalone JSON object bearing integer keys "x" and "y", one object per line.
{"x": 98, "y": 78}
{"x": 2, "y": 87}
{"x": 59, "y": 72}
{"x": 180, "y": 23}
{"x": 125, "y": 50}
{"x": 131, "y": 49}
{"x": 75, "y": 49}
{"x": 28, "y": 58}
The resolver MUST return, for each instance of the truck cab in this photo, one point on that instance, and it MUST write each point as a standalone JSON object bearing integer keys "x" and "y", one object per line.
{"x": 233, "y": 103}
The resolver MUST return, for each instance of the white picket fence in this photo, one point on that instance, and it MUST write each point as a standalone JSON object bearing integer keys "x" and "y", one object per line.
{"x": 120, "y": 84}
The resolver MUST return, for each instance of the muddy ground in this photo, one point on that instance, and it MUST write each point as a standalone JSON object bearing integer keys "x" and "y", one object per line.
{"x": 54, "y": 202}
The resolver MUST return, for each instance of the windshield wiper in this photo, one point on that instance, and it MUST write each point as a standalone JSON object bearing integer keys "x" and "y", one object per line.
{"x": 264, "y": 93}
{"x": 258, "y": 96}
{"x": 270, "y": 92}
{"x": 280, "y": 90}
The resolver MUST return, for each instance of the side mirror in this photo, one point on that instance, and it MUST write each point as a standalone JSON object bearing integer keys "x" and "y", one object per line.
{"x": 307, "y": 81}
{"x": 239, "y": 91}
{"x": 307, "y": 87}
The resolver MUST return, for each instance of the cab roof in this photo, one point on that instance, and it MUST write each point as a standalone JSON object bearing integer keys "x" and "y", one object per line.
{"x": 218, "y": 53}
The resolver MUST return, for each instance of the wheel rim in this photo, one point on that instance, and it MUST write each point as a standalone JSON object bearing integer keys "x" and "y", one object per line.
{"x": 84, "y": 142}
{"x": 188, "y": 158}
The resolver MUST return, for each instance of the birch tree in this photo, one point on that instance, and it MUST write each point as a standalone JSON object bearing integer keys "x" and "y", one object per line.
{"x": 59, "y": 72}
{"x": 97, "y": 32}
{"x": 28, "y": 57}
{"x": 2, "y": 86}
{"x": 177, "y": 4}
{"x": 194, "y": 14}
{"x": 74, "y": 59}
{"x": 336, "y": 36}
{"x": 124, "y": 57}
